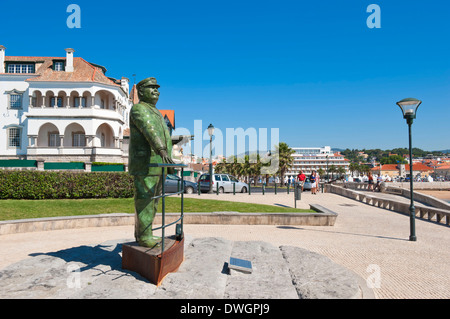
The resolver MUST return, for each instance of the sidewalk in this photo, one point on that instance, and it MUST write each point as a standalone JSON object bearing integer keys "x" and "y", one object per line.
{"x": 370, "y": 241}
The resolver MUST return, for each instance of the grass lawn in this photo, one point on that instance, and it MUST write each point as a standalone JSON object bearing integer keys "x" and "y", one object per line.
{"x": 23, "y": 209}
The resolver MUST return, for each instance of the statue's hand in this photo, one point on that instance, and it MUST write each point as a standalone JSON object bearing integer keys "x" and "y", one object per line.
{"x": 167, "y": 160}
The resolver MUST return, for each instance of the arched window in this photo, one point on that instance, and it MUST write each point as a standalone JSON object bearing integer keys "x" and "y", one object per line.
{"x": 78, "y": 139}
{"x": 103, "y": 140}
{"x": 53, "y": 139}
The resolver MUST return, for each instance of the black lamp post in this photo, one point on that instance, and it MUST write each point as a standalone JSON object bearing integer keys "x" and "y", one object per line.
{"x": 210, "y": 133}
{"x": 409, "y": 108}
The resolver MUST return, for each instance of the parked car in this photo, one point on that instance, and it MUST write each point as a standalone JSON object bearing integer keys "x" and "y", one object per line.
{"x": 307, "y": 185}
{"x": 225, "y": 182}
{"x": 172, "y": 182}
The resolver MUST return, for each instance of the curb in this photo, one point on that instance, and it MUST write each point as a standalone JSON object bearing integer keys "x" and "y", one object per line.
{"x": 323, "y": 217}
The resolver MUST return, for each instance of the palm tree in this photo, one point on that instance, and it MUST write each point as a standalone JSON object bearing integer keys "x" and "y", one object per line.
{"x": 341, "y": 171}
{"x": 245, "y": 168}
{"x": 354, "y": 167}
{"x": 365, "y": 169}
{"x": 321, "y": 172}
{"x": 285, "y": 159}
{"x": 255, "y": 168}
{"x": 332, "y": 169}
{"x": 221, "y": 167}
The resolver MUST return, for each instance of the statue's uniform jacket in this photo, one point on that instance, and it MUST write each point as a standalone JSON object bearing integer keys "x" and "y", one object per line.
{"x": 148, "y": 136}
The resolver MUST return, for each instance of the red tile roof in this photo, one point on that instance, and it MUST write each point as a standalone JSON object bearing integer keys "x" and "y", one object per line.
{"x": 133, "y": 95}
{"x": 395, "y": 167}
{"x": 83, "y": 70}
{"x": 170, "y": 114}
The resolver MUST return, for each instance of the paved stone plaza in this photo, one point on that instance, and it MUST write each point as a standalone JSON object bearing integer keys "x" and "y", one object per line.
{"x": 370, "y": 242}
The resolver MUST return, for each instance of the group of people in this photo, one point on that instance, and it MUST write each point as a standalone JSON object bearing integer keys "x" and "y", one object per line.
{"x": 313, "y": 178}
{"x": 371, "y": 183}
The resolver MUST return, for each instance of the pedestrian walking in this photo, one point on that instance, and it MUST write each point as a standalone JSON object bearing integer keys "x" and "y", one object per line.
{"x": 312, "y": 178}
{"x": 379, "y": 181}
{"x": 317, "y": 183}
{"x": 301, "y": 179}
{"x": 370, "y": 187}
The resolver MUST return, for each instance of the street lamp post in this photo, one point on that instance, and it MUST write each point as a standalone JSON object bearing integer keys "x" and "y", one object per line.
{"x": 409, "y": 108}
{"x": 211, "y": 133}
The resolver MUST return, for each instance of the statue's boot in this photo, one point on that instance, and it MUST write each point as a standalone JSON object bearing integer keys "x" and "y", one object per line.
{"x": 151, "y": 241}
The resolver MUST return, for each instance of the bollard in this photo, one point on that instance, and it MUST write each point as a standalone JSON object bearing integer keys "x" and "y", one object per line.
{"x": 234, "y": 188}
{"x": 250, "y": 188}
{"x": 178, "y": 187}
{"x": 289, "y": 184}
{"x": 198, "y": 188}
{"x": 275, "y": 188}
{"x": 263, "y": 188}
{"x": 217, "y": 188}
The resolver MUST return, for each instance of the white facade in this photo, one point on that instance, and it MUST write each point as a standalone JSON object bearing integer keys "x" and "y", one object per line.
{"x": 61, "y": 114}
{"x": 308, "y": 159}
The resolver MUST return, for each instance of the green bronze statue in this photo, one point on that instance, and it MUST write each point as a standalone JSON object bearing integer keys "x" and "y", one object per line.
{"x": 150, "y": 142}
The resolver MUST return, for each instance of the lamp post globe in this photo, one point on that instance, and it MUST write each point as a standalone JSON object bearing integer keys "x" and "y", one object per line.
{"x": 210, "y": 130}
{"x": 409, "y": 108}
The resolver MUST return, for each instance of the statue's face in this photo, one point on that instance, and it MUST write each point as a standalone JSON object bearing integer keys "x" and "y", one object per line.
{"x": 150, "y": 94}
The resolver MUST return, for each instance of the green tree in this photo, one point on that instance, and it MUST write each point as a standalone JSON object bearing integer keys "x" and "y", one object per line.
{"x": 365, "y": 169}
{"x": 332, "y": 169}
{"x": 354, "y": 167}
{"x": 341, "y": 171}
{"x": 321, "y": 172}
{"x": 255, "y": 167}
{"x": 285, "y": 159}
{"x": 393, "y": 159}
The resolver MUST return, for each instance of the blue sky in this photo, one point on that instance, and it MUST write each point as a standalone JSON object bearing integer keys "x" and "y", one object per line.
{"x": 313, "y": 69}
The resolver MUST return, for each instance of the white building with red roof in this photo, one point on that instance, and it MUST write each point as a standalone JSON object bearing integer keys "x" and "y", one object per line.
{"x": 61, "y": 109}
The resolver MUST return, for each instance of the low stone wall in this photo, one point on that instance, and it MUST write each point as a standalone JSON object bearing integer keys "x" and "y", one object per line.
{"x": 417, "y": 185}
{"x": 58, "y": 223}
{"x": 423, "y": 185}
{"x": 423, "y": 198}
{"x": 440, "y": 216}
{"x": 323, "y": 217}
{"x": 394, "y": 188}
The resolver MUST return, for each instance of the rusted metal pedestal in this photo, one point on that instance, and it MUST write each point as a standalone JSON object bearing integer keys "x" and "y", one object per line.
{"x": 150, "y": 263}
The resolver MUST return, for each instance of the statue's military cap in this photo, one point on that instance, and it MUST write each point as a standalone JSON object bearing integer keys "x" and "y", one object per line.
{"x": 148, "y": 82}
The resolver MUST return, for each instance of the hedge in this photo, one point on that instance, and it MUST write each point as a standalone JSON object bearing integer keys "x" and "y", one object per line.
{"x": 59, "y": 185}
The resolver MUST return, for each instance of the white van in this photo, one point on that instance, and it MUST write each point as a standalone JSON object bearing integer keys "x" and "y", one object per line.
{"x": 224, "y": 182}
